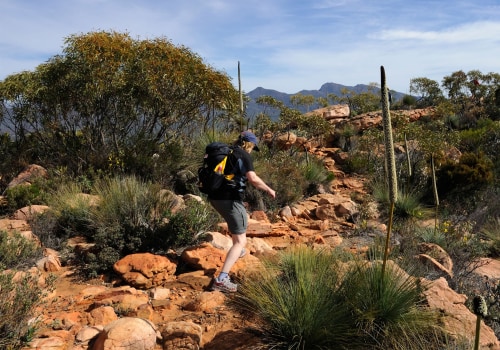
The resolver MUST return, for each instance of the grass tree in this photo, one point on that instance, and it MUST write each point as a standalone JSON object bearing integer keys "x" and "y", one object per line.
{"x": 390, "y": 161}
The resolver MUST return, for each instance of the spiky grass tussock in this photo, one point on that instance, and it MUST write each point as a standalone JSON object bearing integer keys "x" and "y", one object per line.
{"x": 307, "y": 299}
{"x": 295, "y": 297}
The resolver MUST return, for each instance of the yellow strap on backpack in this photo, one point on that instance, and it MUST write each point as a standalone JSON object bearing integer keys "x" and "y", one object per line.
{"x": 219, "y": 169}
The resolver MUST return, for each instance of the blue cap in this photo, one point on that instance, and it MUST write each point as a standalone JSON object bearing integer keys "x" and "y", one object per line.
{"x": 250, "y": 137}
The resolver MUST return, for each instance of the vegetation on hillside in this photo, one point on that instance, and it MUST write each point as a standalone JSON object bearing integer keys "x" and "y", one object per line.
{"x": 126, "y": 121}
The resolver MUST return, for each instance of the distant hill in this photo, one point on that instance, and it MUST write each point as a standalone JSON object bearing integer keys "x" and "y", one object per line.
{"x": 254, "y": 109}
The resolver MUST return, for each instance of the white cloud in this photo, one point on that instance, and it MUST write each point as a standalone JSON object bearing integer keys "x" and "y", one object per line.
{"x": 286, "y": 45}
{"x": 469, "y": 32}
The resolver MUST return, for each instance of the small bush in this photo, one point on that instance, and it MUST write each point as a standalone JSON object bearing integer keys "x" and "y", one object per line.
{"x": 68, "y": 216}
{"x": 432, "y": 235}
{"x": 134, "y": 216}
{"x": 72, "y": 206}
{"x": 386, "y": 308}
{"x": 290, "y": 173}
{"x": 187, "y": 227}
{"x": 471, "y": 172}
{"x": 23, "y": 195}
{"x": 17, "y": 251}
{"x": 125, "y": 220}
{"x": 491, "y": 232}
{"x": 18, "y": 299}
{"x": 408, "y": 205}
{"x": 19, "y": 293}
{"x": 360, "y": 163}
{"x": 315, "y": 173}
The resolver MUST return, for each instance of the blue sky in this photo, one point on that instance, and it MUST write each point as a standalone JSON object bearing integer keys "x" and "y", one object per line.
{"x": 285, "y": 45}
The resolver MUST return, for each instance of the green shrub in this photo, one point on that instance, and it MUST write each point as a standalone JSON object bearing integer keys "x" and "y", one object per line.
{"x": 291, "y": 174}
{"x": 432, "y": 235}
{"x": 17, "y": 251}
{"x": 23, "y": 195}
{"x": 315, "y": 173}
{"x": 69, "y": 215}
{"x": 135, "y": 216}
{"x": 491, "y": 232}
{"x": 126, "y": 218}
{"x": 18, "y": 299}
{"x": 19, "y": 294}
{"x": 187, "y": 226}
{"x": 471, "y": 172}
{"x": 360, "y": 163}
{"x": 408, "y": 205}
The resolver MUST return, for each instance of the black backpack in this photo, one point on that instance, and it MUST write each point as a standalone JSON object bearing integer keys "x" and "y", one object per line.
{"x": 211, "y": 177}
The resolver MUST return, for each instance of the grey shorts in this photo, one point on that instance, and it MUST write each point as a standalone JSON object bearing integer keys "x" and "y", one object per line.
{"x": 234, "y": 213}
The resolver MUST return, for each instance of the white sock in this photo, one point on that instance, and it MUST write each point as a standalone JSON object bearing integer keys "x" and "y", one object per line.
{"x": 222, "y": 276}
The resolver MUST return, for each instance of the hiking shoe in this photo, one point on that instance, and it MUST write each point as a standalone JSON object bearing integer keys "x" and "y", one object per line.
{"x": 224, "y": 286}
{"x": 243, "y": 253}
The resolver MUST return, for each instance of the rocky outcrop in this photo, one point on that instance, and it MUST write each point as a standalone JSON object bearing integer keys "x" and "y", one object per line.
{"x": 145, "y": 270}
{"x": 458, "y": 321}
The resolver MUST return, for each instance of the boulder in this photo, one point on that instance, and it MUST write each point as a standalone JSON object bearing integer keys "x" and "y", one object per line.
{"x": 129, "y": 333}
{"x": 145, "y": 270}
{"x": 181, "y": 335}
{"x": 28, "y": 175}
{"x": 27, "y": 213}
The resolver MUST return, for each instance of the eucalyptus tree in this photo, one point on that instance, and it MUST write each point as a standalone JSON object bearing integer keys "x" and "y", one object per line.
{"x": 111, "y": 97}
{"x": 363, "y": 102}
{"x": 299, "y": 99}
{"x": 427, "y": 91}
{"x": 309, "y": 125}
{"x": 474, "y": 93}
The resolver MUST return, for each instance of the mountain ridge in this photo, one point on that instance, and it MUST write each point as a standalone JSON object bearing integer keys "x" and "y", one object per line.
{"x": 253, "y": 108}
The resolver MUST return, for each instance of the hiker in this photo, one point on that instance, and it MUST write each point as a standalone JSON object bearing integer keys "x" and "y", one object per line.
{"x": 228, "y": 202}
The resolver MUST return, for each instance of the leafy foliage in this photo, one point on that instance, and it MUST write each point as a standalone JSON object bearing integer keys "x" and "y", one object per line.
{"x": 427, "y": 91}
{"x": 472, "y": 171}
{"x": 386, "y": 307}
{"x": 16, "y": 250}
{"x": 492, "y": 233}
{"x": 111, "y": 101}
{"x": 359, "y": 102}
{"x": 122, "y": 221}
{"x": 290, "y": 173}
{"x": 19, "y": 296}
{"x": 187, "y": 227}
{"x": 20, "y": 292}
{"x": 25, "y": 195}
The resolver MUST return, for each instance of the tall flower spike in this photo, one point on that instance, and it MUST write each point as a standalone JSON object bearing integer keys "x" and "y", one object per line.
{"x": 390, "y": 162}
{"x": 388, "y": 142}
{"x": 479, "y": 306}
